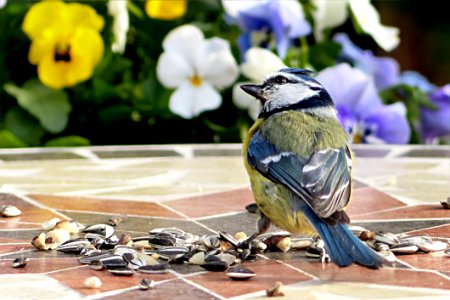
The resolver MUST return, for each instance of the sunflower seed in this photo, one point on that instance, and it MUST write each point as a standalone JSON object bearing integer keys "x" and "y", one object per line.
{"x": 155, "y": 269}
{"x": 20, "y": 262}
{"x": 121, "y": 271}
{"x": 10, "y": 211}
{"x": 146, "y": 284}
{"x": 105, "y": 230}
{"x": 240, "y": 273}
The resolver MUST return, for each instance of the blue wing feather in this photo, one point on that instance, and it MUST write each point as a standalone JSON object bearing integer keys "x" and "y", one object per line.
{"x": 323, "y": 176}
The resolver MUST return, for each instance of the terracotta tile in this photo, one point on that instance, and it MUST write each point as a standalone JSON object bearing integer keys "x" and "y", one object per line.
{"x": 15, "y": 223}
{"x": 213, "y": 204}
{"x": 358, "y": 184}
{"x": 437, "y": 261}
{"x": 30, "y": 213}
{"x": 425, "y": 211}
{"x": 268, "y": 271}
{"x": 37, "y": 265}
{"x": 74, "y": 279}
{"x": 105, "y": 206}
{"x": 388, "y": 276}
{"x": 367, "y": 200}
{"x": 442, "y": 231}
{"x": 8, "y": 240}
{"x": 175, "y": 289}
{"x": 5, "y": 248}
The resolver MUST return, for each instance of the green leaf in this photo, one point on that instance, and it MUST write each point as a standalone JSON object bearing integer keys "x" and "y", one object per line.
{"x": 50, "y": 107}
{"x": 68, "y": 141}
{"x": 9, "y": 140}
{"x": 23, "y": 126}
{"x": 115, "y": 113}
{"x": 324, "y": 54}
{"x": 135, "y": 10}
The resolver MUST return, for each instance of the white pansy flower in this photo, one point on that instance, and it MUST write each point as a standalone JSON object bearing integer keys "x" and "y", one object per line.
{"x": 118, "y": 10}
{"x": 258, "y": 63}
{"x": 195, "y": 66}
{"x": 367, "y": 16}
{"x": 328, "y": 14}
{"x": 2, "y": 3}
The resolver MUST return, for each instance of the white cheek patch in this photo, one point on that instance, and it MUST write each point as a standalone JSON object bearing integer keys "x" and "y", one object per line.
{"x": 289, "y": 94}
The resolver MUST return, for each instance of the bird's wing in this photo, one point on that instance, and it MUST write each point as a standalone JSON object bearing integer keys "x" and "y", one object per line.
{"x": 322, "y": 180}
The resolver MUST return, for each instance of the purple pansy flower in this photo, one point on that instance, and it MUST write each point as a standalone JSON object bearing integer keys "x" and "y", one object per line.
{"x": 436, "y": 123}
{"x": 261, "y": 19}
{"x": 384, "y": 70}
{"x": 416, "y": 79}
{"x": 360, "y": 109}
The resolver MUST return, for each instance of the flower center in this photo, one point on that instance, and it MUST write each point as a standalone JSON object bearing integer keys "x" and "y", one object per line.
{"x": 62, "y": 52}
{"x": 196, "y": 80}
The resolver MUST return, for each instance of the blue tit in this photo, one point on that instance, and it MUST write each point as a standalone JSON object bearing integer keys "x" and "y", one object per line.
{"x": 299, "y": 163}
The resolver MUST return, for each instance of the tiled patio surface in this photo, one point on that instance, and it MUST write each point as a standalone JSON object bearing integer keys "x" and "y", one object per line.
{"x": 204, "y": 189}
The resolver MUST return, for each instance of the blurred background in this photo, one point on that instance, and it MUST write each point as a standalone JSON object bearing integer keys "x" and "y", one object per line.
{"x": 98, "y": 74}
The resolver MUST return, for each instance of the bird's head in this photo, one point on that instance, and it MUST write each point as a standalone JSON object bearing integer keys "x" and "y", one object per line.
{"x": 291, "y": 89}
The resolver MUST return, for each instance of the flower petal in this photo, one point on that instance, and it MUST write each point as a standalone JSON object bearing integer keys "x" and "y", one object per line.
{"x": 87, "y": 43}
{"x": 259, "y": 62}
{"x": 390, "y": 124}
{"x": 42, "y": 15}
{"x": 173, "y": 69}
{"x": 243, "y": 100}
{"x": 436, "y": 123}
{"x": 328, "y": 14}
{"x": 82, "y": 15}
{"x": 369, "y": 20}
{"x": 218, "y": 65}
{"x": 85, "y": 52}
{"x": 118, "y": 10}
{"x": 352, "y": 88}
{"x": 189, "y": 101}
{"x": 166, "y": 9}
{"x": 185, "y": 40}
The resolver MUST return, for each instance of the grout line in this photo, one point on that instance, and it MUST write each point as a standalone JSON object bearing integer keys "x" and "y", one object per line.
{"x": 233, "y": 213}
{"x": 297, "y": 269}
{"x": 432, "y": 227}
{"x": 187, "y": 217}
{"x": 399, "y": 220}
{"x": 196, "y": 285}
{"x": 116, "y": 214}
{"x": 119, "y": 291}
{"x": 40, "y": 205}
{"x": 65, "y": 269}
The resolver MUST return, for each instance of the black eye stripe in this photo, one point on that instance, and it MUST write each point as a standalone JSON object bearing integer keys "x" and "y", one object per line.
{"x": 278, "y": 80}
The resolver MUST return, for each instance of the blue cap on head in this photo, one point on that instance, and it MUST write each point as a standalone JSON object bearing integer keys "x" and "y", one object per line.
{"x": 298, "y": 72}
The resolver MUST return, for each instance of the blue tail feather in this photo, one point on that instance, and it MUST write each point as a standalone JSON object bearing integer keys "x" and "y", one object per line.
{"x": 342, "y": 245}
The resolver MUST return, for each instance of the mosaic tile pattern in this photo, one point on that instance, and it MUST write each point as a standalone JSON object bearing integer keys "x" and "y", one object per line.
{"x": 203, "y": 189}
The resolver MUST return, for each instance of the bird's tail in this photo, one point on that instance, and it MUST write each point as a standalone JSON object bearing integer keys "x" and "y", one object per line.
{"x": 343, "y": 246}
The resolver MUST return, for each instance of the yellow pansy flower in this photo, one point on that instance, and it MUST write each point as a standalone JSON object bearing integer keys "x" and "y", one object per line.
{"x": 65, "y": 41}
{"x": 166, "y": 9}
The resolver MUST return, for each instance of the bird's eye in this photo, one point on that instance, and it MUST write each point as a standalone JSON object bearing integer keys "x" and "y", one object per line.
{"x": 281, "y": 80}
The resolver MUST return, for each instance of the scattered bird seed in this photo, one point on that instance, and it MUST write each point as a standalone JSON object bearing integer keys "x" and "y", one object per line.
{"x": 20, "y": 262}
{"x": 121, "y": 271}
{"x": 215, "y": 266}
{"x": 276, "y": 290}
{"x": 252, "y": 208}
{"x": 446, "y": 204}
{"x": 146, "y": 284}
{"x": 115, "y": 220}
{"x": 10, "y": 211}
{"x": 92, "y": 282}
{"x": 240, "y": 273}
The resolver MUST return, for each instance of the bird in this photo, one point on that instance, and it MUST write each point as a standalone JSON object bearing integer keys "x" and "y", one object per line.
{"x": 298, "y": 159}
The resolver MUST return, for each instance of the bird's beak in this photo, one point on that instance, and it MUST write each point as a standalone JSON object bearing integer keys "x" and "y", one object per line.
{"x": 255, "y": 90}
